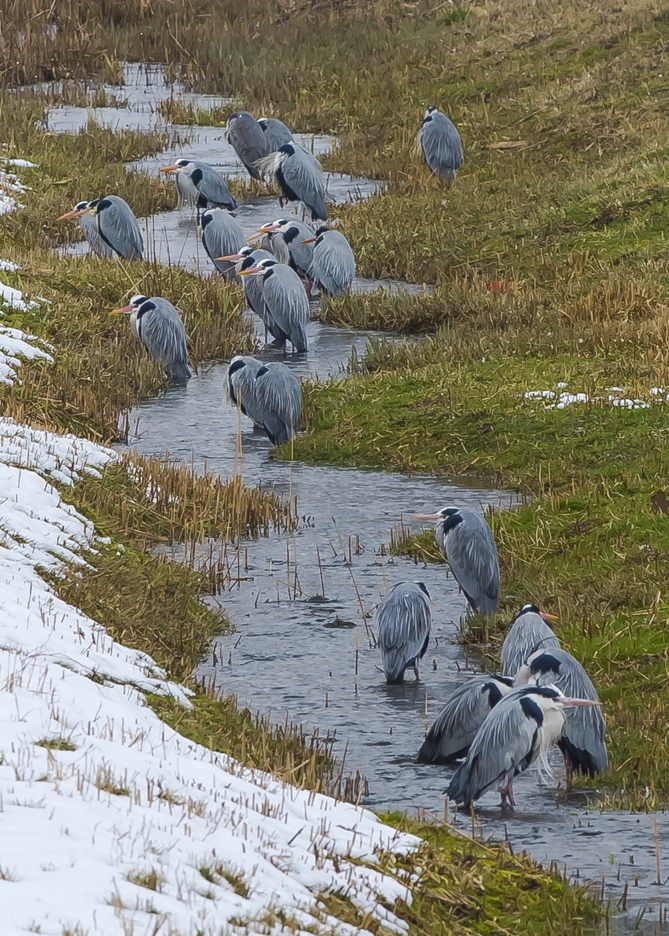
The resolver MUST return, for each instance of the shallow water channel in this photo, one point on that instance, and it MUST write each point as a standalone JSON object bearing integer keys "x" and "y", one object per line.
{"x": 313, "y": 661}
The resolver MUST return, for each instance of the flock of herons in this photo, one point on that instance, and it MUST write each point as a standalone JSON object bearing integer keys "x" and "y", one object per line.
{"x": 496, "y": 726}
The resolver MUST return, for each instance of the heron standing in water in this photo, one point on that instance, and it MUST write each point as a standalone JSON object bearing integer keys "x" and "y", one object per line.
{"x": 294, "y": 172}
{"x": 519, "y": 731}
{"x": 333, "y": 265}
{"x": 245, "y": 135}
{"x": 404, "y": 619}
{"x": 285, "y": 300}
{"x": 529, "y": 632}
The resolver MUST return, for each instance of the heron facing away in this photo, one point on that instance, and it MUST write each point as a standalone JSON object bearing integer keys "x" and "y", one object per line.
{"x": 285, "y": 300}
{"x": 583, "y": 741}
{"x": 158, "y": 326}
{"x": 279, "y": 396}
{"x": 275, "y": 131}
{"x": 116, "y": 225}
{"x": 441, "y": 145}
{"x": 290, "y": 242}
{"x": 293, "y": 170}
{"x": 245, "y": 135}
{"x": 89, "y": 228}
{"x": 529, "y": 632}
{"x": 221, "y": 234}
{"x": 404, "y": 618}
{"x": 333, "y": 264}
{"x": 210, "y": 189}
{"x": 467, "y": 542}
{"x": 455, "y": 728}
{"x": 519, "y": 731}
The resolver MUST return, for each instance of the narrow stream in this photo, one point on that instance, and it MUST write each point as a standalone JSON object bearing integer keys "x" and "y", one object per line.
{"x": 300, "y": 604}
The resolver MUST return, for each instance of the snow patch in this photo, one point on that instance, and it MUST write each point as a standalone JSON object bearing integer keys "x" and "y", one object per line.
{"x": 565, "y": 399}
{"x": 15, "y": 344}
{"x": 133, "y": 801}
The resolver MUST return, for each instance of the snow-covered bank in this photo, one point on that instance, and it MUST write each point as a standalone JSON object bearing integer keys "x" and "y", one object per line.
{"x": 134, "y": 828}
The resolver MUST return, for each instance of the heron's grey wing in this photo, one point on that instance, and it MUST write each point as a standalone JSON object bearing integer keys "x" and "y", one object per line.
{"x": 287, "y": 303}
{"x": 461, "y": 717}
{"x": 220, "y": 238}
{"x": 442, "y": 146}
{"x": 248, "y": 141}
{"x": 280, "y": 248}
{"x": 277, "y": 134}
{"x": 528, "y": 634}
{"x": 583, "y": 739}
{"x": 503, "y": 743}
{"x": 333, "y": 265}
{"x": 89, "y": 226}
{"x": 162, "y": 333}
{"x": 311, "y": 159}
{"x": 472, "y": 557}
{"x": 118, "y": 227}
{"x": 404, "y": 621}
{"x": 279, "y": 395}
{"x": 214, "y": 189}
{"x": 306, "y": 183}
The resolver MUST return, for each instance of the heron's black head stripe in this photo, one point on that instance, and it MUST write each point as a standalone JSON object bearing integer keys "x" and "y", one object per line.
{"x": 205, "y": 220}
{"x": 145, "y": 307}
{"x": 319, "y": 240}
{"x": 494, "y": 693}
{"x": 528, "y": 609}
{"x": 261, "y": 371}
{"x": 248, "y": 262}
{"x": 288, "y": 149}
{"x": 80, "y": 206}
{"x": 427, "y": 119}
{"x": 196, "y": 176}
{"x": 233, "y": 116}
{"x": 546, "y": 663}
{"x": 235, "y": 366}
{"x": 532, "y": 710}
{"x": 270, "y": 272}
{"x": 451, "y": 522}
{"x": 102, "y": 203}
{"x": 423, "y": 588}
{"x": 290, "y": 234}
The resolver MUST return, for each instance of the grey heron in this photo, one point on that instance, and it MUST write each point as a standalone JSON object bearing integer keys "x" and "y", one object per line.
{"x": 451, "y": 735}
{"x": 116, "y": 225}
{"x": 253, "y": 288}
{"x": 290, "y": 242}
{"x": 158, "y": 326}
{"x": 211, "y": 189}
{"x": 245, "y": 135}
{"x": 519, "y": 731}
{"x": 241, "y": 385}
{"x": 279, "y": 400}
{"x": 89, "y": 228}
{"x": 221, "y": 234}
{"x": 467, "y": 542}
{"x": 285, "y": 300}
{"x": 404, "y": 619}
{"x": 529, "y": 632}
{"x": 583, "y": 740}
{"x": 293, "y": 170}
{"x": 275, "y": 131}
{"x": 440, "y": 142}
{"x": 333, "y": 264}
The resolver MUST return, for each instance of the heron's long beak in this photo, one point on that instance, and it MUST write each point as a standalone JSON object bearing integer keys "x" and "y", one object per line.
{"x": 548, "y": 617}
{"x": 573, "y": 703}
{"x": 126, "y": 310}
{"x": 169, "y": 168}
{"x": 434, "y": 517}
{"x": 75, "y": 213}
{"x": 248, "y": 272}
{"x": 232, "y": 257}
{"x": 310, "y": 240}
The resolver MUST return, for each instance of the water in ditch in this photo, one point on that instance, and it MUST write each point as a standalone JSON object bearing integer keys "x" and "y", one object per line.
{"x": 302, "y": 606}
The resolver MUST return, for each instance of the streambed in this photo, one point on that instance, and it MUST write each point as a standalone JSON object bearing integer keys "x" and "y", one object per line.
{"x": 311, "y": 661}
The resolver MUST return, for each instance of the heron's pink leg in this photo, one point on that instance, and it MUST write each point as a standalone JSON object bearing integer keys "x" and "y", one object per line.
{"x": 506, "y": 790}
